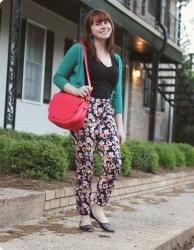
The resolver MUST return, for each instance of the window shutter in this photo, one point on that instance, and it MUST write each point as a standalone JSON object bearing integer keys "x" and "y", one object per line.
{"x": 68, "y": 44}
{"x": 21, "y": 58}
{"x": 48, "y": 66}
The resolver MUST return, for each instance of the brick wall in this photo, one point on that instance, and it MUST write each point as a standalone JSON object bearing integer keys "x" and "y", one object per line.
{"x": 138, "y": 115}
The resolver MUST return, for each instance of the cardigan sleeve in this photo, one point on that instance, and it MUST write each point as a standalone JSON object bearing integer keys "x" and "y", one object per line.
{"x": 117, "y": 95}
{"x": 66, "y": 66}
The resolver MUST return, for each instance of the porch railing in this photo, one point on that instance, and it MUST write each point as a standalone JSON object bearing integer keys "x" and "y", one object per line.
{"x": 146, "y": 10}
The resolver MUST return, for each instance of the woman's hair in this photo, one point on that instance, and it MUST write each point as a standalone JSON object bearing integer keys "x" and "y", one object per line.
{"x": 97, "y": 16}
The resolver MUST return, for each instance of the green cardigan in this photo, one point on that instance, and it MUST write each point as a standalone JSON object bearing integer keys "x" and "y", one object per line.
{"x": 71, "y": 70}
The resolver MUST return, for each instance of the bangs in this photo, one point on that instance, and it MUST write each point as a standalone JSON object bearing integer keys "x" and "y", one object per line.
{"x": 99, "y": 17}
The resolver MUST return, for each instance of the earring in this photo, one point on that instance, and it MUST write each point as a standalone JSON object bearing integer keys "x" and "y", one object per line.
{"x": 91, "y": 37}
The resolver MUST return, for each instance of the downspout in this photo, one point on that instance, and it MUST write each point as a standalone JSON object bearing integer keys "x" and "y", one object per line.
{"x": 155, "y": 64}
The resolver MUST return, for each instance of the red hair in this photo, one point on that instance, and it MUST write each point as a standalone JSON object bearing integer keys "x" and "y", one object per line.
{"x": 97, "y": 16}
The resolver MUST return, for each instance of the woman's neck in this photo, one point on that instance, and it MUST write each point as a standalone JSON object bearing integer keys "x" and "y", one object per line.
{"x": 100, "y": 46}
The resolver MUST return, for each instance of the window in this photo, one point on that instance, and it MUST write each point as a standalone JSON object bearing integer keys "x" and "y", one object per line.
{"x": 160, "y": 103}
{"x": 127, "y": 4}
{"x": 143, "y": 7}
{"x": 135, "y": 6}
{"x": 160, "y": 99}
{"x": 48, "y": 62}
{"x": 34, "y": 63}
{"x": 152, "y": 7}
{"x": 167, "y": 15}
{"x": 147, "y": 91}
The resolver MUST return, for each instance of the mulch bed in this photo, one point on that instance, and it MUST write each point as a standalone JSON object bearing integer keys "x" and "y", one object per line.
{"x": 16, "y": 181}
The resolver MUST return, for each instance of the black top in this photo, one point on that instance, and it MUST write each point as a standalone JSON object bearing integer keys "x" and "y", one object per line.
{"x": 103, "y": 78}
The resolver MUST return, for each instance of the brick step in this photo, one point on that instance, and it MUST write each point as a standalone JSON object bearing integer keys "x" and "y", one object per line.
{"x": 58, "y": 200}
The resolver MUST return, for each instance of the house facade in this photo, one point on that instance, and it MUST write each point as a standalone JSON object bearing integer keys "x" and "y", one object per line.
{"x": 46, "y": 30}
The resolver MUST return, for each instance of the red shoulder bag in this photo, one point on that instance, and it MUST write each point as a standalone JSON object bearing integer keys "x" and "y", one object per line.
{"x": 69, "y": 111}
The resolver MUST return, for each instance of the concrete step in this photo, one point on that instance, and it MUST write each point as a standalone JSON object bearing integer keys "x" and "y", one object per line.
{"x": 18, "y": 205}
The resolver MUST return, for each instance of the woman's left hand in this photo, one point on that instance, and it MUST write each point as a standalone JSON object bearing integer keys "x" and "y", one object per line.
{"x": 121, "y": 136}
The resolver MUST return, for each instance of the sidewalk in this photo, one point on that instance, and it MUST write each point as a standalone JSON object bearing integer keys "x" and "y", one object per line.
{"x": 160, "y": 220}
{"x": 144, "y": 222}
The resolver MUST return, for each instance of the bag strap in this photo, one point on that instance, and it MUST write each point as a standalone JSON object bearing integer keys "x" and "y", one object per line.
{"x": 86, "y": 63}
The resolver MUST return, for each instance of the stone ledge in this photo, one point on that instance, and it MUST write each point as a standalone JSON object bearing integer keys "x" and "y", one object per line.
{"x": 24, "y": 205}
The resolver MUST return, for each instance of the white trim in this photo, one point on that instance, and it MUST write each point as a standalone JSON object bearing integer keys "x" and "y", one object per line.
{"x": 36, "y": 23}
{"x": 43, "y": 62}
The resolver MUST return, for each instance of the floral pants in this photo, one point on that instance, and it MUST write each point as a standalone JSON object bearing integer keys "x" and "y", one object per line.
{"x": 99, "y": 132}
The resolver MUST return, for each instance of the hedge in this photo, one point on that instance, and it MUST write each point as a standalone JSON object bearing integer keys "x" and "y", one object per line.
{"x": 49, "y": 156}
{"x": 41, "y": 159}
{"x": 167, "y": 157}
{"x": 6, "y": 144}
{"x": 188, "y": 151}
{"x": 179, "y": 156}
{"x": 144, "y": 156}
{"x": 126, "y": 157}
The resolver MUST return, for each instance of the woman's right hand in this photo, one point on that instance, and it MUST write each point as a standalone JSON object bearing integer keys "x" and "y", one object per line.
{"x": 84, "y": 91}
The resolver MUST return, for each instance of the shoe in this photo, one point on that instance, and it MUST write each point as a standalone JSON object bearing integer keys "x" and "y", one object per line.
{"x": 86, "y": 228}
{"x": 105, "y": 226}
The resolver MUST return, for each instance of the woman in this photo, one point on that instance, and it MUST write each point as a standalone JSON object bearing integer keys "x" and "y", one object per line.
{"x": 105, "y": 108}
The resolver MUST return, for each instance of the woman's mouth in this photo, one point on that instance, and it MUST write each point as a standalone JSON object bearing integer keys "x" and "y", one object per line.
{"x": 104, "y": 31}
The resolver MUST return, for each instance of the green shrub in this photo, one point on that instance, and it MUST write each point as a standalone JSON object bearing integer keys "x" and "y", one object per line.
{"x": 188, "y": 151}
{"x": 40, "y": 159}
{"x": 6, "y": 144}
{"x": 144, "y": 157}
{"x": 133, "y": 144}
{"x": 64, "y": 141}
{"x": 167, "y": 158}
{"x": 126, "y": 157}
{"x": 179, "y": 156}
{"x": 54, "y": 138}
{"x": 17, "y": 135}
{"x": 70, "y": 151}
{"x": 48, "y": 156}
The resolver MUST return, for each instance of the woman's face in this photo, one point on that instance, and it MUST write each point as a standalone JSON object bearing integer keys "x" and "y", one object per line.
{"x": 101, "y": 30}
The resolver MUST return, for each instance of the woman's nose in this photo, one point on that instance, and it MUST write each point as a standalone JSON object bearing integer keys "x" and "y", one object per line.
{"x": 103, "y": 24}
